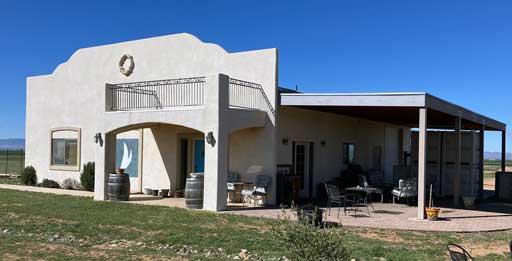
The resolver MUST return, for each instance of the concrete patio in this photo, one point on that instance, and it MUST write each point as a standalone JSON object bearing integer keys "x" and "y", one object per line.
{"x": 399, "y": 216}
{"x": 491, "y": 216}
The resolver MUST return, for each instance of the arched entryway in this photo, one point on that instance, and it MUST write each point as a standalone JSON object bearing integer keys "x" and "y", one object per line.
{"x": 164, "y": 155}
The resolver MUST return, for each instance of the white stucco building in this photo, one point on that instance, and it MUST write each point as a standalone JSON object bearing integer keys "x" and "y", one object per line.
{"x": 164, "y": 95}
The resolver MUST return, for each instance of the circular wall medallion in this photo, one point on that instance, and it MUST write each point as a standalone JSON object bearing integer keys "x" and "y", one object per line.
{"x": 126, "y": 65}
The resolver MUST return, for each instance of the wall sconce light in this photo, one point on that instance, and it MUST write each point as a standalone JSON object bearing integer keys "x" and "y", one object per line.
{"x": 284, "y": 141}
{"x": 322, "y": 142}
{"x": 210, "y": 139}
{"x": 98, "y": 139}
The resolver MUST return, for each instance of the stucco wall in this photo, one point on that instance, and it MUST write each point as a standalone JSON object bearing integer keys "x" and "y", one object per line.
{"x": 297, "y": 124}
{"x": 74, "y": 94}
{"x": 160, "y": 156}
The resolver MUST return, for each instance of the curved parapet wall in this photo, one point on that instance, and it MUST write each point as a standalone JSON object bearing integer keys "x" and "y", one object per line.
{"x": 75, "y": 93}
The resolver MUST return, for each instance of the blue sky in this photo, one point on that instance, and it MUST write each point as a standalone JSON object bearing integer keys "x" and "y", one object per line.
{"x": 458, "y": 50}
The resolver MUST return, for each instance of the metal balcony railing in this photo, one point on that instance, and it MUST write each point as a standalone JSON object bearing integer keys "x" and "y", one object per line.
{"x": 185, "y": 92}
{"x": 248, "y": 95}
{"x": 156, "y": 94}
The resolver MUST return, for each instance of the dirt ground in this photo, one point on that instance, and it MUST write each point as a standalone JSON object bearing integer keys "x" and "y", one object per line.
{"x": 489, "y": 184}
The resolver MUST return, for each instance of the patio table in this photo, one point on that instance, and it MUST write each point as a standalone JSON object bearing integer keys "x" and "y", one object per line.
{"x": 366, "y": 191}
{"x": 239, "y": 186}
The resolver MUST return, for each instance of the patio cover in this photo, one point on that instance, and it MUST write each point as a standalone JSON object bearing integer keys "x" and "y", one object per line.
{"x": 397, "y": 108}
{"x": 414, "y": 110}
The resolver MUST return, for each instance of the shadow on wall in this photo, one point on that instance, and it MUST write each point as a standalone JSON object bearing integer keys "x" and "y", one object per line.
{"x": 166, "y": 140}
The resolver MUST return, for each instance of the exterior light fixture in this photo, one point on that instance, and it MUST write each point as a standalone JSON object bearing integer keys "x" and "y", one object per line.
{"x": 210, "y": 139}
{"x": 322, "y": 142}
{"x": 98, "y": 139}
{"x": 284, "y": 141}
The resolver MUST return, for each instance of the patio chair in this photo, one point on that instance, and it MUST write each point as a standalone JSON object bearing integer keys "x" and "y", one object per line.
{"x": 261, "y": 183}
{"x": 363, "y": 182}
{"x": 232, "y": 177}
{"x": 457, "y": 253}
{"x": 334, "y": 197}
{"x": 407, "y": 188}
{"x": 356, "y": 200}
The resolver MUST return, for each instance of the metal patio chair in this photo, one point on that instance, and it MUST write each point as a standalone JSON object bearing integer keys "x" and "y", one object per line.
{"x": 261, "y": 184}
{"x": 334, "y": 197}
{"x": 232, "y": 177}
{"x": 363, "y": 182}
{"x": 356, "y": 201}
{"x": 407, "y": 188}
{"x": 457, "y": 253}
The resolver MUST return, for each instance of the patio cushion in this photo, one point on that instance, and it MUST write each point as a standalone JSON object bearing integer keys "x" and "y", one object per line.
{"x": 247, "y": 191}
{"x": 259, "y": 192}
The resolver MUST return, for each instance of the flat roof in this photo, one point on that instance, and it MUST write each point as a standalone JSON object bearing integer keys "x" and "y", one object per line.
{"x": 397, "y": 108}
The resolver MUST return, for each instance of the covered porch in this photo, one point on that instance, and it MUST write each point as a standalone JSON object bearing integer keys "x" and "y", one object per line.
{"x": 211, "y": 126}
{"x": 423, "y": 113}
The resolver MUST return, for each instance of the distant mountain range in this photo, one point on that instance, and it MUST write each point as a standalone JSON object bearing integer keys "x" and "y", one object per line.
{"x": 12, "y": 144}
{"x": 496, "y": 156}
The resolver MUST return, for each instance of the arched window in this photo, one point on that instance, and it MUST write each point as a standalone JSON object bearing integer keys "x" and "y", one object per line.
{"x": 65, "y": 149}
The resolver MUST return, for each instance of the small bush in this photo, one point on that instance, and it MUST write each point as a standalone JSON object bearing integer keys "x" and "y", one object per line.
{"x": 48, "y": 183}
{"x": 87, "y": 177}
{"x": 304, "y": 241}
{"x": 70, "y": 183}
{"x": 28, "y": 176}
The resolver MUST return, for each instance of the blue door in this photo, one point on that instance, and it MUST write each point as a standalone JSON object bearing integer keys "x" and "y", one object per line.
{"x": 199, "y": 155}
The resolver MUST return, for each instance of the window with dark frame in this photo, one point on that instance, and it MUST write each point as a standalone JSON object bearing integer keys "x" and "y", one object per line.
{"x": 349, "y": 152}
{"x": 64, "y": 152}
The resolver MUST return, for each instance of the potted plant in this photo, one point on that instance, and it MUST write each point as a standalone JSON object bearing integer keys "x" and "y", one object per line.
{"x": 165, "y": 193}
{"x": 432, "y": 212}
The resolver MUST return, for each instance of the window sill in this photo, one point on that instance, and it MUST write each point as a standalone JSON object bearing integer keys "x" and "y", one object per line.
{"x": 64, "y": 168}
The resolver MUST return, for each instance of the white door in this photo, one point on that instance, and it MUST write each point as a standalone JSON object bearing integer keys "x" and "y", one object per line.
{"x": 301, "y": 159}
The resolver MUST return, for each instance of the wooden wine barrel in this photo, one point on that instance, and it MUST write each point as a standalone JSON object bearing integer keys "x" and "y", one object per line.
{"x": 118, "y": 187}
{"x": 194, "y": 191}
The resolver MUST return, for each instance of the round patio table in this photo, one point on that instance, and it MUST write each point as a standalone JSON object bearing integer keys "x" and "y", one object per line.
{"x": 366, "y": 191}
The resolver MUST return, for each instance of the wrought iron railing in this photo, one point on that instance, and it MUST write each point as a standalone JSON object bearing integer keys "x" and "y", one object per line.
{"x": 161, "y": 94}
{"x": 156, "y": 94}
{"x": 248, "y": 95}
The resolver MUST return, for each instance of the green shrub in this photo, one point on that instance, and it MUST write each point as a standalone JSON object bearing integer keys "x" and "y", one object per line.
{"x": 87, "y": 177}
{"x": 304, "y": 241}
{"x": 48, "y": 183}
{"x": 72, "y": 184}
{"x": 28, "y": 176}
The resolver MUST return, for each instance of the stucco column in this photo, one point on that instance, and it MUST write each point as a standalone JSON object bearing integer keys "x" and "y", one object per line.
{"x": 216, "y": 122}
{"x": 422, "y": 160}
{"x": 456, "y": 178}
{"x": 105, "y": 162}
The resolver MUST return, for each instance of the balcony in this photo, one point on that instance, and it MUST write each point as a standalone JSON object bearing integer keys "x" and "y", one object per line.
{"x": 156, "y": 95}
{"x": 181, "y": 94}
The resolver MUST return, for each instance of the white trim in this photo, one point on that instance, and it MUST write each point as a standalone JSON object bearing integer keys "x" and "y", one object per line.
{"x": 79, "y": 142}
{"x": 406, "y": 99}
{"x": 355, "y": 99}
